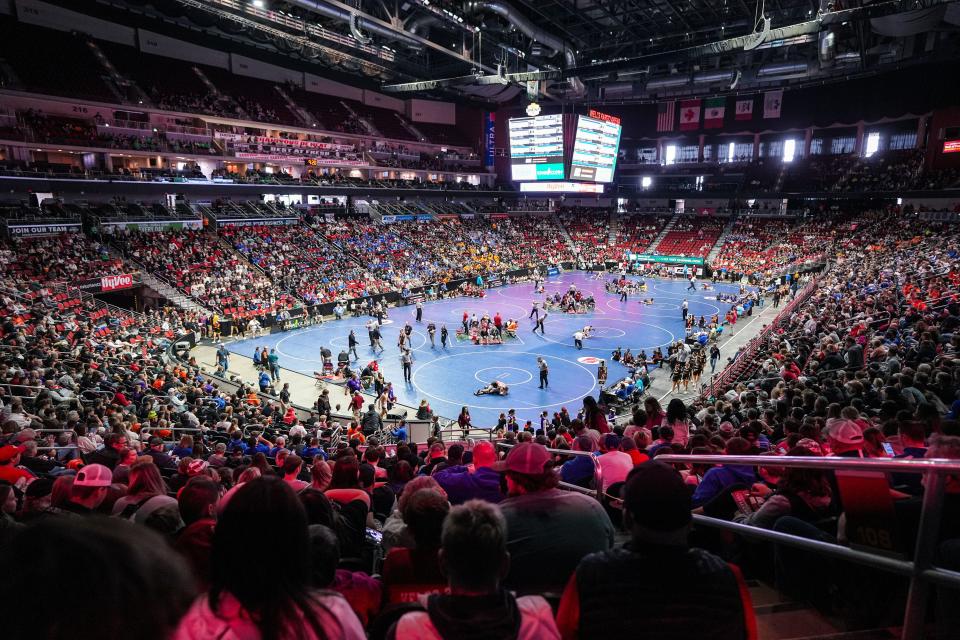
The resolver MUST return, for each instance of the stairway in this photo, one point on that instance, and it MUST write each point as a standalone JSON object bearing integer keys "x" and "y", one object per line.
{"x": 123, "y": 88}
{"x": 161, "y": 286}
{"x": 613, "y": 228}
{"x": 663, "y": 234}
{"x": 168, "y": 291}
{"x": 216, "y": 92}
{"x": 412, "y": 130}
{"x": 372, "y": 130}
{"x": 566, "y": 234}
{"x": 306, "y": 118}
{"x": 715, "y": 250}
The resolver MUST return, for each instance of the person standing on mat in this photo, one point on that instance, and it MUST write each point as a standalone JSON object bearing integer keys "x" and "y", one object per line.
{"x": 544, "y": 370}
{"x": 419, "y": 311}
{"x": 352, "y": 343}
{"x": 685, "y": 307}
{"x": 443, "y": 335}
{"x": 623, "y": 292}
{"x": 406, "y": 359}
{"x": 540, "y": 321}
{"x": 578, "y": 340}
{"x": 693, "y": 283}
{"x": 535, "y": 311}
{"x": 432, "y": 332}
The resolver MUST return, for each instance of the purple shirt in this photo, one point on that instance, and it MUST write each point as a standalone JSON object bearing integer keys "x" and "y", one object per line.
{"x": 461, "y": 485}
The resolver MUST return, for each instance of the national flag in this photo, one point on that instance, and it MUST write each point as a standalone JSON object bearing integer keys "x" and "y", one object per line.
{"x": 744, "y": 109}
{"x": 772, "y": 102}
{"x": 665, "y": 111}
{"x": 714, "y": 109}
{"x": 690, "y": 114}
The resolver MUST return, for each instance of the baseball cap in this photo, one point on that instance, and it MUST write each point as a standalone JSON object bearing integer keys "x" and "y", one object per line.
{"x": 196, "y": 467}
{"x": 39, "y": 488}
{"x": 94, "y": 475}
{"x": 657, "y": 497}
{"x": 845, "y": 436}
{"x": 9, "y": 452}
{"x": 528, "y": 458}
{"x": 611, "y": 441}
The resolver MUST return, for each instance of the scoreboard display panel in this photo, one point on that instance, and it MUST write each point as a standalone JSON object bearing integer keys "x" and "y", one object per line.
{"x": 595, "y": 148}
{"x": 536, "y": 148}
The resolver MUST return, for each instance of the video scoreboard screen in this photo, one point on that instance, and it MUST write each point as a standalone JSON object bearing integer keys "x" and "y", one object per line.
{"x": 951, "y": 140}
{"x": 536, "y": 148}
{"x": 595, "y": 147}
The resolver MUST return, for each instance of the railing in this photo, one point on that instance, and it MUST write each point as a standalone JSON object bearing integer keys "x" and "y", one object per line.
{"x": 920, "y": 570}
{"x": 597, "y": 491}
{"x": 461, "y": 433}
{"x": 731, "y": 374}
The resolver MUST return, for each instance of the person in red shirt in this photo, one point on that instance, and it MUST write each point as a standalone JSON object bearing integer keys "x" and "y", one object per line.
{"x": 9, "y": 471}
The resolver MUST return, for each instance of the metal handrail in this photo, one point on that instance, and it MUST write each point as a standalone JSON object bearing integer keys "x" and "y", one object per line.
{"x": 597, "y": 492}
{"x": 921, "y": 570}
{"x": 940, "y": 466}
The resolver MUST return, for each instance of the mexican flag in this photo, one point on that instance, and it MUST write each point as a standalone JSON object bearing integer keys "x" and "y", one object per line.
{"x": 713, "y": 114}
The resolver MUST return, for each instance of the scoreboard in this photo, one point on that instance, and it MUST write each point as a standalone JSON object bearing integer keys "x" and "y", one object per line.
{"x": 536, "y": 148}
{"x": 595, "y": 148}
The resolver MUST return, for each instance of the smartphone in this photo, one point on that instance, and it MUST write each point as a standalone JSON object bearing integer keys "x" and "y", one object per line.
{"x": 888, "y": 448}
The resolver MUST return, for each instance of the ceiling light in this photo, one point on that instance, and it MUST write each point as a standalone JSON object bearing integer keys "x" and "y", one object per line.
{"x": 258, "y": 4}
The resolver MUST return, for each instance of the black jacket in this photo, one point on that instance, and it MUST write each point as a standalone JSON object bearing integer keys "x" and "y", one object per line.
{"x": 670, "y": 592}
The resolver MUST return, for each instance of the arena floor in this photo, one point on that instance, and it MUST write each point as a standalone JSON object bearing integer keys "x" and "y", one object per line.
{"x": 447, "y": 378}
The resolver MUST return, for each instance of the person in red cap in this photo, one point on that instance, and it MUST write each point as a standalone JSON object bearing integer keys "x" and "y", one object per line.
{"x": 462, "y": 483}
{"x": 437, "y": 456}
{"x": 9, "y": 471}
{"x": 549, "y": 530}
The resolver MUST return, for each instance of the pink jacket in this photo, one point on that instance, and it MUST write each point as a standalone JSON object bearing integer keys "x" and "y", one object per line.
{"x": 231, "y": 622}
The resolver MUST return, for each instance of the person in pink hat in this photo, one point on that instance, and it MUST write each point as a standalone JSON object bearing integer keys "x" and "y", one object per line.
{"x": 549, "y": 530}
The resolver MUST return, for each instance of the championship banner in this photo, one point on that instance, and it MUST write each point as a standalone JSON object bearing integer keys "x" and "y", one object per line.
{"x": 303, "y": 144}
{"x": 281, "y": 157}
{"x": 258, "y": 222}
{"x": 36, "y": 230}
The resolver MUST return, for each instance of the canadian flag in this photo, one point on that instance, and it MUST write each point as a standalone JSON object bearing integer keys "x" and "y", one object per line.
{"x": 690, "y": 114}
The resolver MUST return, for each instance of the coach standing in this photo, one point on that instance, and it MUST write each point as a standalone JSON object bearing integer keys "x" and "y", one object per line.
{"x": 544, "y": 370}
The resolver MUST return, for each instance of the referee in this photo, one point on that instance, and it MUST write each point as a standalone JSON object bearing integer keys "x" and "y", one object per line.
{"x": 544, "y": 370}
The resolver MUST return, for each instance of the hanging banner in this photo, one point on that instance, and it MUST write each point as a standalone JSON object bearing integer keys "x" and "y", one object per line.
{"x": 258, "y": 222}
{"x": 152, "y": 225}
{"x": 34, "y": 230}
{"x": 772, "y": 103}
{"x": 745, "y": 109}
{"x": 490, "y": 138}
{"x": 109, "y": 283}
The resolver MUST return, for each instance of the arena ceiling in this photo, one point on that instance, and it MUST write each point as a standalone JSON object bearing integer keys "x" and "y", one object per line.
{"x": 584, "y": 50}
